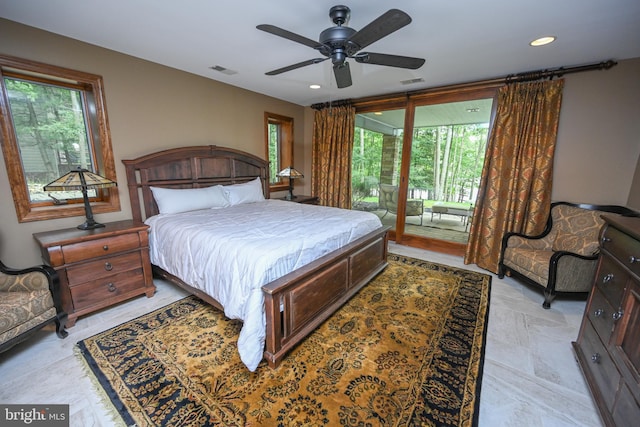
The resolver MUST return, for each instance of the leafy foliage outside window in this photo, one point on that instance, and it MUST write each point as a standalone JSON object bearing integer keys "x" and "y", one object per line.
{"x": 279, "y": 147}
{"x": 51, "y": 130}
{"x": 274, "y": 152}
{"x": 446, "y": 162}
{"x": 53, "y": 119}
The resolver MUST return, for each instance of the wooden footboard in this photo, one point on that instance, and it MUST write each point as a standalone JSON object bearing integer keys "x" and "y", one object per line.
{"x": 299, "y": 302}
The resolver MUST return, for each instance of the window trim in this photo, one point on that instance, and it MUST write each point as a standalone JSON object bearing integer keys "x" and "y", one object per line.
{"x": 286, "y": 145}
{"x": 105, "y": 165}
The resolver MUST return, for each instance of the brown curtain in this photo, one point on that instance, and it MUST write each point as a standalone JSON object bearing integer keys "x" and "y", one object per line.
{"x": 332, "y": 147}
{"x": 518, "y": 169}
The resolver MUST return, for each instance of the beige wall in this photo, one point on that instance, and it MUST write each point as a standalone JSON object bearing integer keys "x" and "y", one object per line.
{"x": 152, "y": 107}
{"x": 598, "y": 146}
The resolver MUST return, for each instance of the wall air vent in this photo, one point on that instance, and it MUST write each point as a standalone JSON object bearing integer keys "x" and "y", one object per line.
{"x": 223, "y": 70}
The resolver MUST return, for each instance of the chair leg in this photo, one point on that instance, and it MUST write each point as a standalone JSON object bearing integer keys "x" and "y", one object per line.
{"x": 548, "y": 298}
{"x": 501, "y": 271}
{"x": 61, "y": 324}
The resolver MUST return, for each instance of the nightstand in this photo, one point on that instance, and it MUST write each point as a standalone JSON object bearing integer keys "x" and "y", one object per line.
{"x": 308, "y": 200}
{"x": 99, "y": 268}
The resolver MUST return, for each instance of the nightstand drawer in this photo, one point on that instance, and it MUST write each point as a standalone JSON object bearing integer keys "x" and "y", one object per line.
{"x": 103, "y": 289}
{"x": 101, "y": 247}
{"x": 103, "y": 267}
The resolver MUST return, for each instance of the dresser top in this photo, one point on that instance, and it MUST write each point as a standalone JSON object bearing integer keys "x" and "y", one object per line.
{"x": 629, "y": 225}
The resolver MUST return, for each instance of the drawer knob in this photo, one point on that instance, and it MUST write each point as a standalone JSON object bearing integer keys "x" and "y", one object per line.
{"x": 595, "y": 357}
{"x": 105, "y": 247}
{"x": 633, "y": 259}
{"x": 617, "y": 315}
{"x": 606, "y": 279}
{"x": 112, "y": 287}
{"x": 108, "y": 266}
{"x": 598, "y": 313}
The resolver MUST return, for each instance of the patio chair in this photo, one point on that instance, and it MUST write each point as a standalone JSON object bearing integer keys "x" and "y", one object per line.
{"x": 389, "y": 201}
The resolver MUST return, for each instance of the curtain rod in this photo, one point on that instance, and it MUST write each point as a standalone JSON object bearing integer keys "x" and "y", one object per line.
{"x": 558, "y": 72}
{"x": 511, "y": 78}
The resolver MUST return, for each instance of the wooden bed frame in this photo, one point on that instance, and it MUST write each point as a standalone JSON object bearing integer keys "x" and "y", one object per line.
{"x": 296, "y": 303}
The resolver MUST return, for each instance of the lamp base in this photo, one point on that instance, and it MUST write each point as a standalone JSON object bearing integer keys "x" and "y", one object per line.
{"x": 90, "y": 225}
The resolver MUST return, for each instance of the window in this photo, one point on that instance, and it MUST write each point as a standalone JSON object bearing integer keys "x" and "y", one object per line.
{"x": 53, "y": 120}
{"x": 279, "y": 146}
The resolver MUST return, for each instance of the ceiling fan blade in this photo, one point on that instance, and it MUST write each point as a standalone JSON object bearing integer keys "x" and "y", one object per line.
{"x": 385, "y": 24}
{"x": 272, "y": 29}
{"x": 389, "y": 60}
{"x": 294, "y": 66}
{"x": 342, "y": 74}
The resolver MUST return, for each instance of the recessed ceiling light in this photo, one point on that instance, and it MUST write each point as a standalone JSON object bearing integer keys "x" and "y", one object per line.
{"x": 315, "y": 86}
{"x": 473, "y": 110}
{"x": 378, "y": 113}
{"x": 542, "y": 41}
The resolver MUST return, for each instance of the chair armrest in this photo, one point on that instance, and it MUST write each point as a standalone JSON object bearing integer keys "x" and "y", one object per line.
{"x": 570, "y": 272}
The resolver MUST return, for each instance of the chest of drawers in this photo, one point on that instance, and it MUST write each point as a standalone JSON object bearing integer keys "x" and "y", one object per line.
{"x": 608, "y": 345}
{"x": 100, "y": 267}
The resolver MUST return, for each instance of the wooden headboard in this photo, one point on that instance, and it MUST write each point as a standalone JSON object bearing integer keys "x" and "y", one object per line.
{"x": 189, "y": 167}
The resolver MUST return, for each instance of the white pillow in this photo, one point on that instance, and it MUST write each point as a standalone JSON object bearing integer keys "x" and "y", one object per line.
{"x": 249, "y": 192}
{"x": 170, "y": 200}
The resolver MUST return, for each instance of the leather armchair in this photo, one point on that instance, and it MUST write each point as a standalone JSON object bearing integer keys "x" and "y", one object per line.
{"x": 563, "y": 258}
{"x": 29, "y": 300}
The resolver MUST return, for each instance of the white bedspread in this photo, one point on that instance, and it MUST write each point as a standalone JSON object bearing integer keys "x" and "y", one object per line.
{"x": 230, "y": 253}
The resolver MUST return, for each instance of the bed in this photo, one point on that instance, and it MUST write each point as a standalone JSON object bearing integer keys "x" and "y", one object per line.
{"x": 296, "y": 302}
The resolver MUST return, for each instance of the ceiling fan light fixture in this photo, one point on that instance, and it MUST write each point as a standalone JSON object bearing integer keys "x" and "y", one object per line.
{"x": 340, "y": 42}
{"x": 542, "y": 41}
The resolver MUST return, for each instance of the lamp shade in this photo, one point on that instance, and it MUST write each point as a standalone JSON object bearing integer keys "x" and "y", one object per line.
{"x": 290, "y": 172}
{"x": 78, "y": 179}
{"x": 81, "y": 179}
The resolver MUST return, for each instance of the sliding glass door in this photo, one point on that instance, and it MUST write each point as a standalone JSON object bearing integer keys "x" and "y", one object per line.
{"x": 377, "y": 153}
{"x": 448, "y": 142}
{"x": 418, "y": 168}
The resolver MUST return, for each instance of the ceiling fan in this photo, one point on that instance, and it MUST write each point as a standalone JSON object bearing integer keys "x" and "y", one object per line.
{"x": 341, "y": 42}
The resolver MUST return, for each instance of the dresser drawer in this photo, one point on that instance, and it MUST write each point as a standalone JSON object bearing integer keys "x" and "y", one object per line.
{"x": 94, "y": 248}
{"x": 601, "y": 314}
{"x": 623, "y": 247}
{"x": 626, "y": 409}
{"x": 599, "y": 365}
{"x": 611, "y": 280}
{"x": 108, "y": 288}
{"x": 103, "y": 267}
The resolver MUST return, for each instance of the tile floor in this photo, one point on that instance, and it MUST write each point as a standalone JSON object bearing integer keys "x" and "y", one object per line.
{"x": 530, "y": 375}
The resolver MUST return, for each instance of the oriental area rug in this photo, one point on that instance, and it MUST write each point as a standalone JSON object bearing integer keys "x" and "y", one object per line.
{"x": 407, "y": 350}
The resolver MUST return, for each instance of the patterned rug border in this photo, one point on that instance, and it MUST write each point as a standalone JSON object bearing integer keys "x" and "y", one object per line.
{"x": 115, "y": 407}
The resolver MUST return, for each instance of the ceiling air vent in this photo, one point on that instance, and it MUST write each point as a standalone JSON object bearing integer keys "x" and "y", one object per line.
{"x": 223, "y": 70}
{"x": 412, "y": 81}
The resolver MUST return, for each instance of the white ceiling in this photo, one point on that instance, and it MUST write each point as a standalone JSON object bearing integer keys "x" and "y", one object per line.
{"x": 462, "y": 40}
